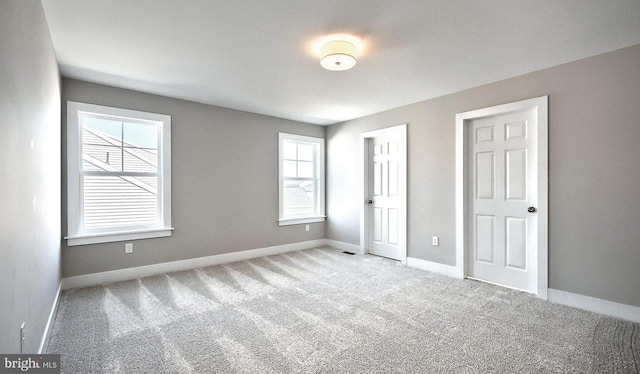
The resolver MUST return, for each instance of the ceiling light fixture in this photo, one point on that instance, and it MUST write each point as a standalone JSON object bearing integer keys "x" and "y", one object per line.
{"x": 338, "y": 55}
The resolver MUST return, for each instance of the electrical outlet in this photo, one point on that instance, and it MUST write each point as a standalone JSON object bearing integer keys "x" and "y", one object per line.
{"x": 307, "y": 227}
{"x": 128, "y": 248}
{"x": 435, "y": 240}
{"x": 23, "y": 336}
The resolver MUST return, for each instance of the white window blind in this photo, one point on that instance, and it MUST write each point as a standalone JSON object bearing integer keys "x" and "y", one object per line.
{"x": 119, "y": 174}
{"x": 301, "y": 179}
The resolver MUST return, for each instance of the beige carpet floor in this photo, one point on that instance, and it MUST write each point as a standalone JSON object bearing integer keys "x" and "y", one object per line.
{"x": 322, "y": 311}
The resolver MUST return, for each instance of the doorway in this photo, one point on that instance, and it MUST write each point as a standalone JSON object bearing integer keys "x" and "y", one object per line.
{"x": 501, "y": 195}
{"x": 383, "y": 214}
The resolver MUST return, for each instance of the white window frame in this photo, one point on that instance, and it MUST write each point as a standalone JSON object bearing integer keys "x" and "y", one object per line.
{"x": 319, "y": 187}
{"x": 76, "y": 234}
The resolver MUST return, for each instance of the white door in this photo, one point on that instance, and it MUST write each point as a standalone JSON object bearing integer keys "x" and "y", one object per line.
{"x": 387, "y": 217}
{"x": 503, "y": 196}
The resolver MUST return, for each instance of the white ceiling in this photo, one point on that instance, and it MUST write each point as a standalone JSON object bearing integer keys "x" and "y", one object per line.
{"x": 257, "y": 55}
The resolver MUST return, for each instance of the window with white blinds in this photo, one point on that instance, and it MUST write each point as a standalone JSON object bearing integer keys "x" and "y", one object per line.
{"x": 301, "y": 165}
{"x": 119, "y": 174}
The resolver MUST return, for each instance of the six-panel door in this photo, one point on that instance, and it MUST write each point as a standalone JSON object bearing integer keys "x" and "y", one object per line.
{"x": 502, "y": 186}
{"x": 384, "y": 191}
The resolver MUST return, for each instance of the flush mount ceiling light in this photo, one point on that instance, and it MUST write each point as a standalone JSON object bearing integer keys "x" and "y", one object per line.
{"x": 338, "y": 55}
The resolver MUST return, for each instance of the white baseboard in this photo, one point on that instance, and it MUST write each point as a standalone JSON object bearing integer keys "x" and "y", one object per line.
{"x": 592, "y": 304}
{"x": 49, "y": 326}
{"x": 344, "y": 246}
{"x": 434, "y": 267}
{"x": 193, "y": 263}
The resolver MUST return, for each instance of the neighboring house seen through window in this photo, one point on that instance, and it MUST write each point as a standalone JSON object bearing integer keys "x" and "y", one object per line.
{"x": 301, "y": 165}
{"x": 118, "y": 173}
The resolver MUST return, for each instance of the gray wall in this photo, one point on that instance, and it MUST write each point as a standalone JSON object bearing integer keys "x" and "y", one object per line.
{"x": 594, "y": 171}
{"x": 224, "y": 182}
{"x": 30, "y": 174}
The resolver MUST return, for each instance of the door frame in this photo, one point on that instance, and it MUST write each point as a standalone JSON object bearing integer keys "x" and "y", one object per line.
{"x": 401, "y": 132}
{"x": 540, "y": 105}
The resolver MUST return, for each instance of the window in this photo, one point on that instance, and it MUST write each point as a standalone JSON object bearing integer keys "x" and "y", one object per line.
{"x": 301, "y": 179}
{"x": 118, "y": 174}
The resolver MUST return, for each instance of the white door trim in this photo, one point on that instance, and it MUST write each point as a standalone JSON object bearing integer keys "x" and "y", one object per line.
{"x": 401, "y": 132}
{"x": 540, "y": 105}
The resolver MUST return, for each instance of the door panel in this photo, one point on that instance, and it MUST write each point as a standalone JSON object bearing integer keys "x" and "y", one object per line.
{"x": 516, "y": 174}
{"x": 377, "y": 225}
{"x": 515, "y": 130}
{"x": 485, "y": 175}
{"x": 484, "y": 135}
{"x": 516, "y": 231}
{"x": 393, "y": 177}
{"x": 393, "y": 226}
{"x": 485, "y": 238}
{"x": 377, "y": 179}
{"x": 503, "y": 184}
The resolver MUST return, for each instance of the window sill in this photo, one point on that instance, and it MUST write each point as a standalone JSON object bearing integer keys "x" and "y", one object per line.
{"x": 117, "y": 236}
{"x": 299, "y": 221}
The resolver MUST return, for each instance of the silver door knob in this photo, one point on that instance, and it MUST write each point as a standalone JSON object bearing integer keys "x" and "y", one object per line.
{"x": 369, "y": 201}
{"x": 531, "y": 209}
